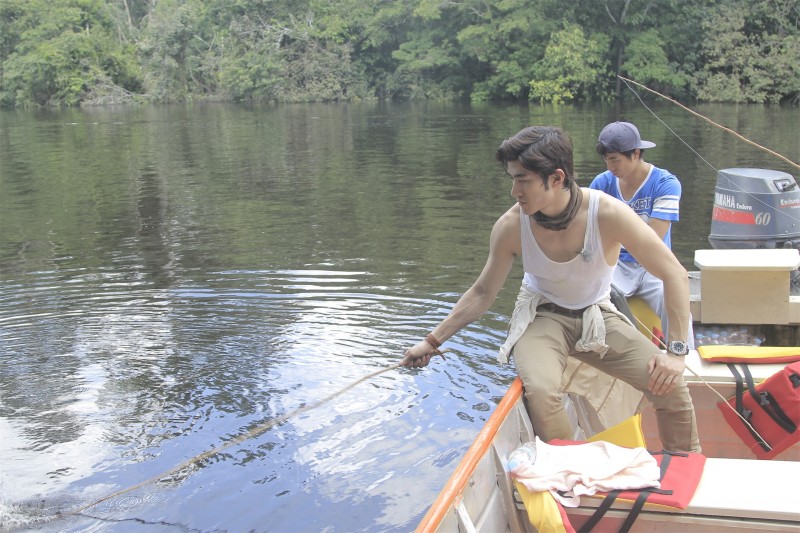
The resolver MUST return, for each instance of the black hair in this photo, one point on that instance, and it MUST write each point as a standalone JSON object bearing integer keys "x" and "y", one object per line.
{"x": 540, "y": 149}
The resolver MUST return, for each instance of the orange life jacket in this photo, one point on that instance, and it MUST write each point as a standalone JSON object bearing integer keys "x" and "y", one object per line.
{"x": 772, "y": 408}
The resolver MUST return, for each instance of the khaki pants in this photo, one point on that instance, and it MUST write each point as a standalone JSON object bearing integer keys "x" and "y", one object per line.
{"x": 541, "y": 357}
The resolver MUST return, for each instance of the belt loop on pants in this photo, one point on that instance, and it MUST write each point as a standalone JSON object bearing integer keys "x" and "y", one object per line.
{"x": 553, "y": 308}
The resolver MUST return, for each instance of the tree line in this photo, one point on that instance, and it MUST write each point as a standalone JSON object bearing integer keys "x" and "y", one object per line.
{"x": 90, "y": 52}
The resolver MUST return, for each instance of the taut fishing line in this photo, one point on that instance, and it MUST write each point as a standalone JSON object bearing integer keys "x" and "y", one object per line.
{"x": 625, "y": 81}
{"x": 695, "y": 113}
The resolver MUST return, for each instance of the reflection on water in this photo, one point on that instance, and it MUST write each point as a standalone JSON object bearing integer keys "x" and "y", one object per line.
{"x": 146, "y": 378}
{"x": 172, "y": 278}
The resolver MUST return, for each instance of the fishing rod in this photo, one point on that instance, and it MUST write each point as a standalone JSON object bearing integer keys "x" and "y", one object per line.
{"x": 695, "y": 113}
{"x": 741, "y": 137}
{"x": 754, "y": 198}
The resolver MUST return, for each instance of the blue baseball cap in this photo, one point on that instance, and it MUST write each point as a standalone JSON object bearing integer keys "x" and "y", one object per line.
{"x": 622, "y": 137}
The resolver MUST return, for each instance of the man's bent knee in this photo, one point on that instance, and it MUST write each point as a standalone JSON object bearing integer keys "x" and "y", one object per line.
{"x": 548, "y": 416}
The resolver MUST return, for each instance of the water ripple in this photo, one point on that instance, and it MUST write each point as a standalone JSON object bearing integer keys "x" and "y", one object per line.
{"x": 105, "y": 371}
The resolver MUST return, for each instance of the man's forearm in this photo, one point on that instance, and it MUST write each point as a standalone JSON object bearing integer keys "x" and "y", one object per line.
{"x": 469, "y": 308}
{"x": 676, "y": 301}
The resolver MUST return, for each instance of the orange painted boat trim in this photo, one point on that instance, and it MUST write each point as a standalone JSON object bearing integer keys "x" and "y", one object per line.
{"x": 468, "y": 463}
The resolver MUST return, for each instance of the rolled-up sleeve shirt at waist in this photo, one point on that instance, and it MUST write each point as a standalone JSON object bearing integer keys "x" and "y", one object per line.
{"x": 593, "y": 336}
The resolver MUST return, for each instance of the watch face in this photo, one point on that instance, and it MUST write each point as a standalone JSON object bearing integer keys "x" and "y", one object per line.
{"x": 677, "y": 347}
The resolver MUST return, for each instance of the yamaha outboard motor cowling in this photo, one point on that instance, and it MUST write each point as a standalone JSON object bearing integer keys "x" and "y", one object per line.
{"x": 755, "y": 208}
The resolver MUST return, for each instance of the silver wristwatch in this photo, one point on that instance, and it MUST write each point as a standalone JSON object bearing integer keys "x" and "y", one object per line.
{"x": 677, "y": 348}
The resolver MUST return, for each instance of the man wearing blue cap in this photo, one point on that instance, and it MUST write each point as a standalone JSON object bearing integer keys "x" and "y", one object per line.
{"x": 652, "y": 192}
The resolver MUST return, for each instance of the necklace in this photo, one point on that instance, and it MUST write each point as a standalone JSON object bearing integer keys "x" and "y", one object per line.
{"x": 561, "y": 221}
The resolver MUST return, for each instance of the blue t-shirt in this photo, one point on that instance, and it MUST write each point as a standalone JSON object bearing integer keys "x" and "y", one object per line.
{"x": 659, "y": 196}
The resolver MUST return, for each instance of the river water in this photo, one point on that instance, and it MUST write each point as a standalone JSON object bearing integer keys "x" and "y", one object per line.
{"x": 172, "y": 278}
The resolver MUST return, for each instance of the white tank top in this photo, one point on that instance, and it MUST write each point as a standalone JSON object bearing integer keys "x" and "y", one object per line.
{"x": 580, "y": 282}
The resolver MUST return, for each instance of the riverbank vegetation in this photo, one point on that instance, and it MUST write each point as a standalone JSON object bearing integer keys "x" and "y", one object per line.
{"x": 89, "y": 52}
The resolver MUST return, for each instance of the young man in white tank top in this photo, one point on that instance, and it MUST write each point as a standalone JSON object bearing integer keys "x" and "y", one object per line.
{"x": 569, "y": 239}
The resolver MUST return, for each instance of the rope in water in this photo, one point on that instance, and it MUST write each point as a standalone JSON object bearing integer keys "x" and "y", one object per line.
{"x": 249, "y": 434}
{"x": 261, "y": 428}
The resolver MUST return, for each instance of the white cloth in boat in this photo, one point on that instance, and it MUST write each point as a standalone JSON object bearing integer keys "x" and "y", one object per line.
{"x": 612, "y": 399}
{"x": 570, "y": 472}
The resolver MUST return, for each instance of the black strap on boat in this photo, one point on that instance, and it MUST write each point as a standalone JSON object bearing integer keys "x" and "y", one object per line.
{"x": 636, "y": 509}
{"x": 638, "y": 504}
{"x": 747, "y": 414}
{"x": 600, "y": 512}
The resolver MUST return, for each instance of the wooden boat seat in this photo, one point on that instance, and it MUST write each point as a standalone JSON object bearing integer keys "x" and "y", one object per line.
{"x": 733, "y": 493}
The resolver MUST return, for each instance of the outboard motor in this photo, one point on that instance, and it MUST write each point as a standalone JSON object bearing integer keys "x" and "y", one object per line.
{"x": 755, "y": 208}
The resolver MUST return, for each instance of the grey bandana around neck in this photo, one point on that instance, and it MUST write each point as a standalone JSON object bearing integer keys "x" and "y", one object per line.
{"x": 561, "y": 221}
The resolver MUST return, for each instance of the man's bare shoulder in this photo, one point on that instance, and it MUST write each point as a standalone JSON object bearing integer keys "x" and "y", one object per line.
{"x": 505, "y": 232}
{"x": 618, "y": 223}
{"x": 610, "y": 208}
{"x": 508, "y": 221}
{"x": 616, "y": 219}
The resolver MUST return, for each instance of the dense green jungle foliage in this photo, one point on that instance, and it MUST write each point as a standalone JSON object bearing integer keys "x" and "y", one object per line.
{"x": 88, "y": 52}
